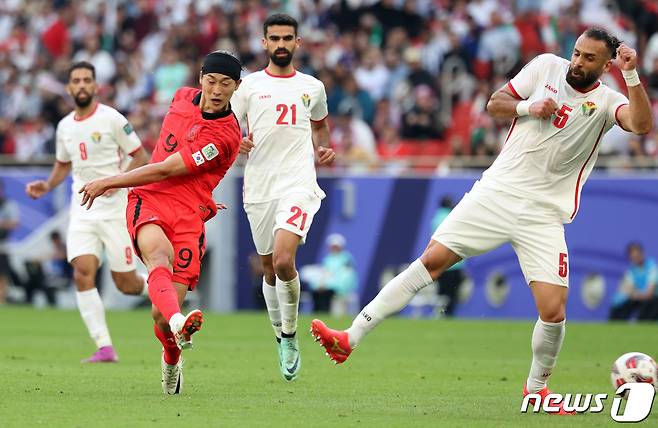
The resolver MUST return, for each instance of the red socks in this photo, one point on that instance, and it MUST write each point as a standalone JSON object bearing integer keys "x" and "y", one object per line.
{"x": 162, "y": 292}
{"x": 171, "y": 351}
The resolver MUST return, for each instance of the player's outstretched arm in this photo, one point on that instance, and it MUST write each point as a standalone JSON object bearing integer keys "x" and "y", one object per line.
{"x": 504, "y": 104}
{"x": 636, "y": 116}
{"x": 151, "y": 173}
{"x": 38, "y": 188}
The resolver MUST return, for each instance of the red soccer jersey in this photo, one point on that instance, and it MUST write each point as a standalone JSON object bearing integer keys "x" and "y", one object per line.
{"x": 208, "y": 144}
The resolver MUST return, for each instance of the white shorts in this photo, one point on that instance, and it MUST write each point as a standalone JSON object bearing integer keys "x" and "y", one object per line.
{"x": 93, "y": 236}
{"x": 486, "y": 218}
{"x": 292, "y": 212}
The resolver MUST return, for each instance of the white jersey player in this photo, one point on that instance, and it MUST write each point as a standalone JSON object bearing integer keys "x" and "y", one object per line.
{"x": 285, "y": 112}
{"x": 92, "y": 141}
{"x": 560, "y": 111}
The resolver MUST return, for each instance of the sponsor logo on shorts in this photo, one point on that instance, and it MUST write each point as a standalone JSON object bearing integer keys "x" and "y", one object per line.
{"x": 210, "y": 151}
{"x": 198, "y": 158}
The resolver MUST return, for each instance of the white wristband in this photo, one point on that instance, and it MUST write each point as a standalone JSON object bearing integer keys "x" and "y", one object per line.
{"x": 631, "y": 77}
{"x": 523, "y": 108}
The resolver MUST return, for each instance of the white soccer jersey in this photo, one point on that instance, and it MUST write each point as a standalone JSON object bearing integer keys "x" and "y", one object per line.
{"x": 549, "y": 160}
{"x": 279, "y": 111}
{"x": 96, "y": 145}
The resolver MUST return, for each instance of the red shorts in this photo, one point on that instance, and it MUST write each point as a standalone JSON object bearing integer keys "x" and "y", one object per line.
{"x": 183, "y": 227}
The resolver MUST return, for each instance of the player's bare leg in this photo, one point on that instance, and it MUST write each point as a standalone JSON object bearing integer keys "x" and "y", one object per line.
{"x": 287, "y": 289}
{"x": 391, "y": 299}
{"x": 91, "y": 308}
{"x": 157, "y": 253}
{"x": 130, "y": 282}
{"x": 547, "y": 337}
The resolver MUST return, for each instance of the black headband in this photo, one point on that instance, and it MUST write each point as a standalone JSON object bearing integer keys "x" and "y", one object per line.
{"x": 222, "y": 63}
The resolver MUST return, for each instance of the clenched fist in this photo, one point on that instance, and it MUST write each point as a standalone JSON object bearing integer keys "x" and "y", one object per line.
{"x": 543, "y": 109}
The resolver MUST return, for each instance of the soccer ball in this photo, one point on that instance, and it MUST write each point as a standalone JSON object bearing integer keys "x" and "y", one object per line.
{"x": 634, "y": 367}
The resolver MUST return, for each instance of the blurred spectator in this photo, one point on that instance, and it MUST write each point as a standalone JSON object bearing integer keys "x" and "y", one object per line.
{"x": 170, "y": 75}
{"x": 8, "y": 222}
{"x": 353, "y": 140}
{"x": 58, "y": 270}
{"x": 422, "y": 122}
{"x": 450, "y": 280}
{"x": 100, "y": 59}
{"x": 333, "y": 284}
{"x": 638, "y": 292}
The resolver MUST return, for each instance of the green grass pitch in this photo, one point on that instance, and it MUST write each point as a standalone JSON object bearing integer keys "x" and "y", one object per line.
{"x": 408, "y": 373}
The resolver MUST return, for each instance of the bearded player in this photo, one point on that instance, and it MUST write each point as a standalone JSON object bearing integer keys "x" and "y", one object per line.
{"x": 560, "y": 111}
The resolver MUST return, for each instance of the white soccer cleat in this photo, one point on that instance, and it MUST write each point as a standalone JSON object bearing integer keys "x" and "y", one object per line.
{"x": 172, "y": 376}
{"x": 190, "y": 325}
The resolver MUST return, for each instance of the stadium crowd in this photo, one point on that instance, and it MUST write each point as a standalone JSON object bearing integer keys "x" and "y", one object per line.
{"x": 404, "y": 78}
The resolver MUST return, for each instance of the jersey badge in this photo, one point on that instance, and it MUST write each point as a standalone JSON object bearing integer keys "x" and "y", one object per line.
{"x": 210, "y": 151}
{"x": 306, "y": 100}
{"x": 588, "y": 108}
{"x": 198, "y": 158}
{"x": 96, "y": 137}
{"x": 128, "y": 128}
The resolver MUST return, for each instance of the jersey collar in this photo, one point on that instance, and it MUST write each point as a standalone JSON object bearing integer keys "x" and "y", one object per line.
{"x": 282, "y": 76}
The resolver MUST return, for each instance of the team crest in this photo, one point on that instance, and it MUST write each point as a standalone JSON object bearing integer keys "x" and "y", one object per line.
{"x": 589, "y": 108}
{"x": 96, "y": 137}
{"x": 306, "y": 100}
{"x": 192, "y": 134}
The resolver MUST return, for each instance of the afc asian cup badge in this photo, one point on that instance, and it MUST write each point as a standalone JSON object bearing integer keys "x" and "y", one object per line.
{"x": 306, "y": 100}
{"x": 588, "y": 108}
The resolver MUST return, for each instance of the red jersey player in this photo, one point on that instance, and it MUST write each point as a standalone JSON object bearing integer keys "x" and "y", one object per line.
{"x": 199, "y": 140}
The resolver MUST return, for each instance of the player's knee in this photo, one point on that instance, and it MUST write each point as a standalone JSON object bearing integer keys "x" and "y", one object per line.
{"x": 284, "y": 265}
{"x": 129, "y": 284}
{"x": 158, "y": 256}
{"x": 83, "y": 276}
{"x": 553, "y": 313}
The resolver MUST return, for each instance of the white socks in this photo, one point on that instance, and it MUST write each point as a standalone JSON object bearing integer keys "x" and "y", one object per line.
{"x": 272, "y": 303}
{"x": 92, "y": 311}
{"x": 546, "y": 343}
{"x": 288, "y": 295}
{"x": 391, "y": 299}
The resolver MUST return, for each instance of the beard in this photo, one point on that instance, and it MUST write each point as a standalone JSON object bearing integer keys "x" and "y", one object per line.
{"x": 281, "y": 61}
{"x": 83, "y": 101}
{"x": 583, "y": 81}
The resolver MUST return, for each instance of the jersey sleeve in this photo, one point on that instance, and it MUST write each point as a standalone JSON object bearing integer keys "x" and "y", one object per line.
{"x": 125, "y": 135}
{"x": 320, "y": 110}
{"x": 61, "y": 154}
{"x": 239, "y": 102}
{"x": 617, "y": 100}
{"x": 526, "y": 80}
{"x": 211, "y": 148}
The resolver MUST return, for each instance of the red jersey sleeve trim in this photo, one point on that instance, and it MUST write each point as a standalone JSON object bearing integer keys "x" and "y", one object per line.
{"x": 617, "y": 119}
{"x": 135, "y": 151}
{"x": 320, "y": 120}
{"x": 511, "y": 88}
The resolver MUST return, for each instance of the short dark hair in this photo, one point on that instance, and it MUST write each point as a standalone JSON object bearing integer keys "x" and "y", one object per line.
{"x": 279, "y": 19}
{"x": 611, "y": 42}
{"x": 83, "y": 64}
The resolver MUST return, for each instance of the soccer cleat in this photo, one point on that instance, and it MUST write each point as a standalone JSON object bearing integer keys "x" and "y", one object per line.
{"x": 192, "y": 324}
{"x": 290, "y": 361}
{"x": 172, "y": 376}
{"x": 335, "y": 342}
{"x": 104, "y": 354}
{"x": 543, "y": 393}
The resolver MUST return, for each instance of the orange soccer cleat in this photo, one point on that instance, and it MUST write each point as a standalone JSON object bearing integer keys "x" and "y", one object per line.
{"x": 334, "y": 341}
{"x": 543, "y": 393}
